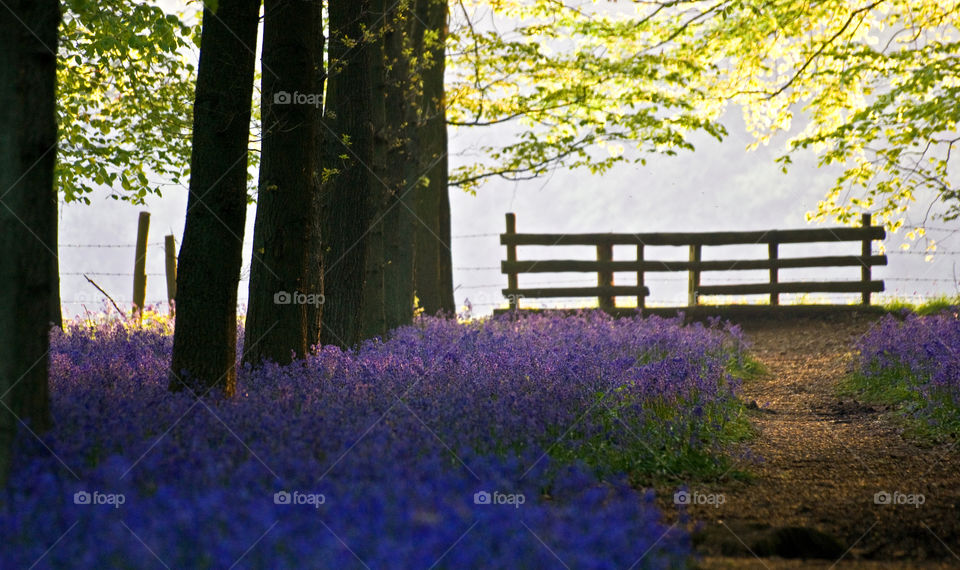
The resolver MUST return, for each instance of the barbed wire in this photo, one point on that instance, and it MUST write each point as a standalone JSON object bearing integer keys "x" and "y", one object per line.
{"x": 107, "y": 274}
{"x": 933, "y": 253}
{"x": 106, "y": 245}
{"x": 467, "y": 236}
{"x": 925, "y": 228}
{"x": 121, "y": 302}
{"x": 683, "y": 279}
{"x": 932, "y": 228}
{"x": 922, "y": 279}
{"x": 122, "y": 245}
{"x": 582, "y": 282}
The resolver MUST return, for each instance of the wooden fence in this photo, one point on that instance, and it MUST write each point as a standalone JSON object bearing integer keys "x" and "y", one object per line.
{"x": 604, "y": 266}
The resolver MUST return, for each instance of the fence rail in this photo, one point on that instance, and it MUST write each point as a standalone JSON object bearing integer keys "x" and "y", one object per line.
{"x": 605, "y": 266}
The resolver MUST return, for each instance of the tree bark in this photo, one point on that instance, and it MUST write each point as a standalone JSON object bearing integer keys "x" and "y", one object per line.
{"x": 208, "y": 273}
{"x": 287, "y": 227}
{"x": 28, "y": 215}
{"x": 433, "y": 258}
{"x": 349, "y": 197}
{"x": 403, "y": 98}
{"x": 388, "y": 296}
{"x": 370, "y": 216}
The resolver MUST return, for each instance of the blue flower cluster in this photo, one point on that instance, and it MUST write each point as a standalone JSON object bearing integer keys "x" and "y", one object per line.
{"x": 921, "y": 356}
{"x": 506, "y": 443}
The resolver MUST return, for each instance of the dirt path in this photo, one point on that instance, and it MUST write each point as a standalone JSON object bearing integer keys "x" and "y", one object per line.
{"x": 823, "y": 459}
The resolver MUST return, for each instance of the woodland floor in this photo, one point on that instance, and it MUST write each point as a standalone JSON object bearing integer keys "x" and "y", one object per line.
{"x": 821, "y": 459}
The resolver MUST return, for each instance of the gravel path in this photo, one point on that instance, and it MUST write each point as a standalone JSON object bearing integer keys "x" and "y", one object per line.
{"x": 823, "y": 460}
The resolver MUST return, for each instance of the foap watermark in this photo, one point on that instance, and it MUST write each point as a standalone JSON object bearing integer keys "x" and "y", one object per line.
{"x": 98, "y": 498}
{"x": 298, "y": 498}
{"x": 297, "y": 298}
{"x": 697, "y": 498}
{"x": 898, "y": 498}
{"x": 498, "y": 498}
{"x": 297, "y": 98}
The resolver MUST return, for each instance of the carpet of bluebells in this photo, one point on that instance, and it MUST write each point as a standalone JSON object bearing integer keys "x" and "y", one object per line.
{"x": 509, "y": 442}
{"x": 914, "y": 361}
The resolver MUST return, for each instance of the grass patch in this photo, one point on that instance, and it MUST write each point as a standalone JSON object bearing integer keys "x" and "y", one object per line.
{"x": 927, "y": 307}
{"x": 748, "y": 368}
{"x": 891, "y": 388}
{"x": 911, "y": 364}
{"x": 899, "y": 392}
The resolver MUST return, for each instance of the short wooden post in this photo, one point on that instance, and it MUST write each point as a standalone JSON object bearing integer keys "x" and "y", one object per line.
{"x": 694, "y": 282}
{"x": 170, "y": 252}
{"x": 641, "y": 298}
{"x": 140, "y": 264}
{"x": 512, "y": 256}
{"x": 773, "y": 250}
{"x": 605, "y": 276}
{"x": 865, "y": 250}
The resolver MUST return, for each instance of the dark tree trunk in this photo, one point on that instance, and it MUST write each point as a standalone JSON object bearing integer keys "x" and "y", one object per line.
{"x": 287, "y": 226}
{"x": 400, "y": 222}
{"x": 388, "y": 296}
{"x": 208, "y": 269}
{"x": 28, "y": 215}
{"x": 400, "y": 227}
{"x": 56, "y": 311}
{"x": 371, "y": 217}
{"x": 433, "y": 266}
{"x": 372, "y": 318}
{"x": 349, "y": 197}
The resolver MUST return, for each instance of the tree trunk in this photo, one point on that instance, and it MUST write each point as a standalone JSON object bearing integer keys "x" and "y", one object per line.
{"x": 388, "y": 297}
{"x": 28, "y": 216}
{"x": 370, "y": 224}
{"x": 373, "y": 318}
{"x": 433, "y": 266}
{"x": 349, "y": 199}
{"x": 401, "y": 222}
{"x": 208, "y": 272}
{"x": 285, "y": 235}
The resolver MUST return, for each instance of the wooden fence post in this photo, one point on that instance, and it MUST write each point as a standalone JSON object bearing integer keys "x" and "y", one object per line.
{"x": 694, "y": 283}
{"x": 605, "y": 277}
{"x": 170, "y": 251}
{"x": 641, "y": 298}
{"x": 865, "y": 250}
{"x": 774, "y": 254}
{"x": 512, "y": 256}
{"x": 140, "y": 264}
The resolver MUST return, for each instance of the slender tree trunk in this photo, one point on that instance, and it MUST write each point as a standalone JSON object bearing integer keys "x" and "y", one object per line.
{"x": 403, "y": 98}
{"x": 371, "y": 217}
{"x": 400, "y": 227}
{"x": 372, "y": 318}
{"x": 388, "y": 297}
{"x": 208, "y": 272}
{"x": 56, "y": 311}
{"x": 28, "y": 215}
{"x": 433, "y": 266}
{"x": 349, "y": 199}
{"x": 284, "y": 299}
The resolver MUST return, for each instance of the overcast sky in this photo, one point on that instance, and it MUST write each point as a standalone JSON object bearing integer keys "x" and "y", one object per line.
{"x": 721, "y": 186}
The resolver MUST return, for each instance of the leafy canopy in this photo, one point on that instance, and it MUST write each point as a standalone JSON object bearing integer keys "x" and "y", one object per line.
{"x": 125, "y": 98}
{"x": 579, "y": 81}
{"x": 874, "y": 82}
